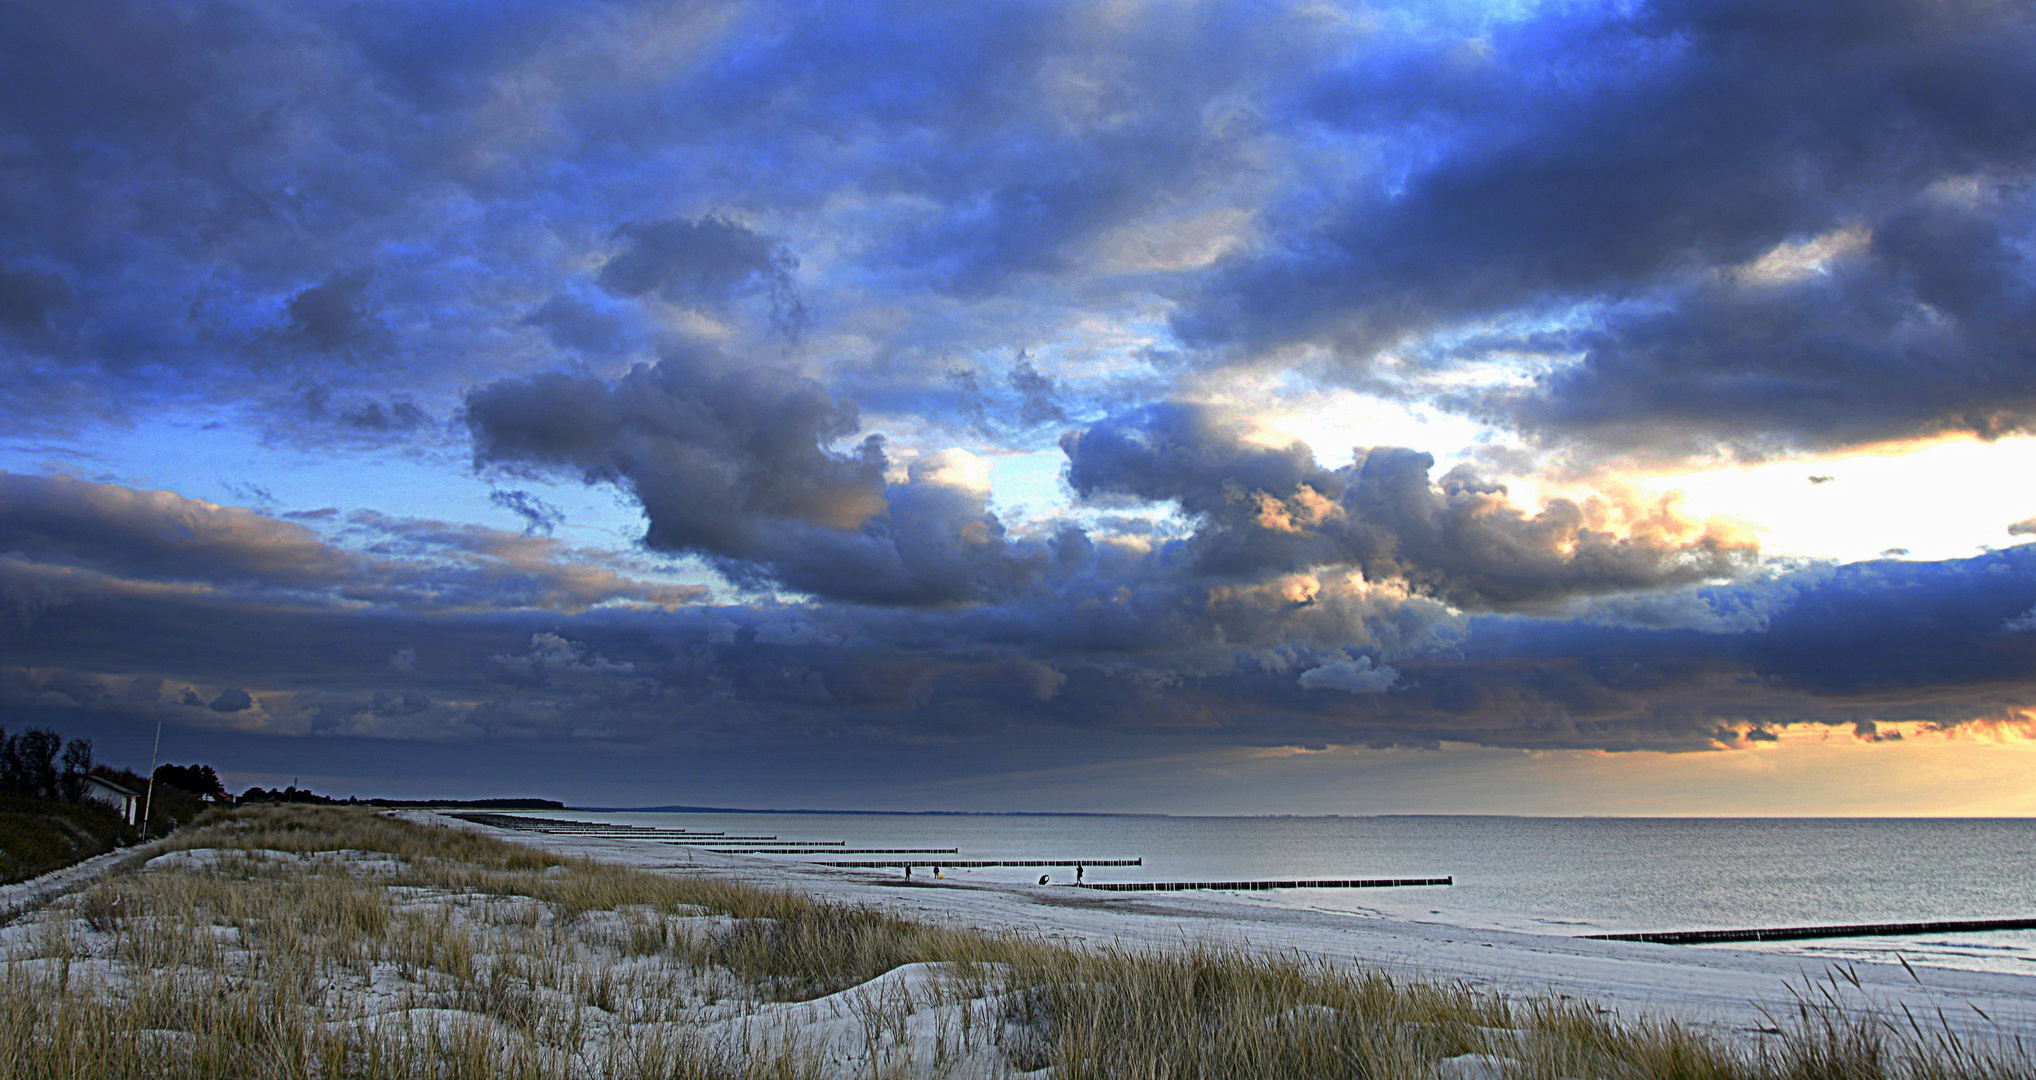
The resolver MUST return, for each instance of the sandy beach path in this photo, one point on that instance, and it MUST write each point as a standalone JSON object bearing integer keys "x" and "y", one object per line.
{"x": 1725, "y": 989}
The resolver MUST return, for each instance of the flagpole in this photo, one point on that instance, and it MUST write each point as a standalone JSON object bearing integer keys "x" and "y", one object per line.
{"x": 148, "y": 804}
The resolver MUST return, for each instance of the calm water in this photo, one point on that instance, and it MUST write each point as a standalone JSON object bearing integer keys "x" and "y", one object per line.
{"x": 1543, "y": 875}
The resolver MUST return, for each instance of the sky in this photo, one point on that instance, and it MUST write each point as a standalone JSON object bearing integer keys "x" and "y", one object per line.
{"x": 1452, "y": 407}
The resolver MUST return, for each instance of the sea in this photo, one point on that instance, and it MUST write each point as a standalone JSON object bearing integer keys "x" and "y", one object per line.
{"x": 1566, "y": 876}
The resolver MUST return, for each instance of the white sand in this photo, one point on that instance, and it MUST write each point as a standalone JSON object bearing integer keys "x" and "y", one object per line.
{"x": 25, "y": 896}
{"x": 1726, "y": 989}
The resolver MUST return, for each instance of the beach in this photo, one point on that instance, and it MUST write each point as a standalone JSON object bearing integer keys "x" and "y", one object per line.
{"x": 1729, "y": 990}
{"x": 292, "y": 941}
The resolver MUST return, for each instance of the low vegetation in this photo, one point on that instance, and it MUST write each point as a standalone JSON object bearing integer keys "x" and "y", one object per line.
{"x": 40, "y": 835}
{"x": 50, "y": 817}
{"x": 325, "y": 942}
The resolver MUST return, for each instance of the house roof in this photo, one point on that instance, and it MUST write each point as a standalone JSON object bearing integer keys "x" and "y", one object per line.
{"x": 112, "y": 785}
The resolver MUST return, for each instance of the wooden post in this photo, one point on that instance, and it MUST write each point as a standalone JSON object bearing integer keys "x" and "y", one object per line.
{"x": 149, "y": 803}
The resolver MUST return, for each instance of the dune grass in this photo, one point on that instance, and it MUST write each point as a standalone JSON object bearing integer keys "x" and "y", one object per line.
{"x": 328, "y": 942}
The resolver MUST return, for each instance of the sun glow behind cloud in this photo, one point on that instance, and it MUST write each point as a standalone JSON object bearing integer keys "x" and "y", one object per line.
{"x": 1937, "y": 499}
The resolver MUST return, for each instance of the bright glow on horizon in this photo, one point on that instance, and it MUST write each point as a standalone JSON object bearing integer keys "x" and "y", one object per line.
{"x": 1808, "y": 771}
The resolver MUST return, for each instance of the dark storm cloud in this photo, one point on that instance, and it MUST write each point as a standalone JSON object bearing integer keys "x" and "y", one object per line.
{"x": 704, "y": 263}
{"x": 1637, "y": 161}
{"x": 333, "y": 315}
{"x": 232, "y": 701}
{"x": 718, "y": 453}
{"x": 1869, "y": 642}
{"x": 738, "y": 463}
{"x": 1915, "y": 643}
{"x": 28, "y": 300}
{"x": 1927, "y": 330}
{"x": 1269, "y": 509}
{"x": 574, "y": 323}
{"x": 1924, "y": 644}
{"x": 1933, "y": 623}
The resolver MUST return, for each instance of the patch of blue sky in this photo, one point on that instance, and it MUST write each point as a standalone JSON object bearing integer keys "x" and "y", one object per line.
{"x": 1031, "y": 485}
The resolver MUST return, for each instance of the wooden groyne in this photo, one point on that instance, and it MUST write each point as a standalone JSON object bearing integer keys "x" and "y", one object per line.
{"x": 1254, "y": 886}
{"x": 837, "y": 851}
{"x": 760, "y": 841}
{"x": 709, "y": 838}
{"x": 1799, "y": 933}
{"x": 972, "y": 863}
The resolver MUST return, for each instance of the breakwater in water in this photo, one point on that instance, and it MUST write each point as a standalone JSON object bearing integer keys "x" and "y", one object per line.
{"x": 1807, "y": 933}
{"x": 1259, "y": 886}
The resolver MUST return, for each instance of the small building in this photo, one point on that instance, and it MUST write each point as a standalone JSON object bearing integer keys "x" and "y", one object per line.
{"x": 124, "y": 800}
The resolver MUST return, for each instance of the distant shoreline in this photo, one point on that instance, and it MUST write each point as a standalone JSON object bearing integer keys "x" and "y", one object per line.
{"x": 870, "y": 813}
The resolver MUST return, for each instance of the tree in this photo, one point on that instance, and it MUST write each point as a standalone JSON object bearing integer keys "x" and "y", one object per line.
{"x": 32, "y": 761}
{"x": 291, "y": 794}
{"x": 77, "y": 766}
{"x": 196, "y": 779}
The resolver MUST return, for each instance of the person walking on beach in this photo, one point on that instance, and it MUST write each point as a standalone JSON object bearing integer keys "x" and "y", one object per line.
{"x": 1078, "y": 873}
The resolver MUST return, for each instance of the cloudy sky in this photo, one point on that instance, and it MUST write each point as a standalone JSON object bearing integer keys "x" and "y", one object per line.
{"x": 1586, "y": 407}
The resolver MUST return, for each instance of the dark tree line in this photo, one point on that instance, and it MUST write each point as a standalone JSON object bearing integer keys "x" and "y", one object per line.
{"x": 196, "y": 779}
{"x": 39, "y": 762}
{"x": 291, "y": 794}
